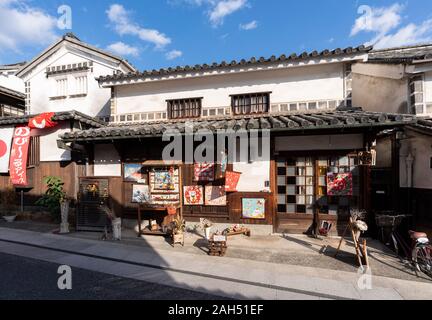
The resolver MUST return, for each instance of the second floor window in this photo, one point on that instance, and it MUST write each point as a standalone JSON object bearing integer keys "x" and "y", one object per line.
{"x": 252, "y": 103}
{"x": 184, "y": 108}
{"x": 80, "y": 85}
{"x": 61, "y": 87}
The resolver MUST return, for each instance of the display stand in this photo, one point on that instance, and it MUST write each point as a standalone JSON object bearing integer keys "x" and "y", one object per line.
{"x": 361, "y": 251}
{"x": 161, "y": 198}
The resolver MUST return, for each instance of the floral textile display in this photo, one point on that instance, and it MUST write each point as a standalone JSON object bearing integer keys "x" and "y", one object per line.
{"x": 204, "y": 172}
{"x": 193, "y": 195}
{"x": 340, "y": 184}
{"x": 215, "y": 196}
{"x": 253, "y": 208}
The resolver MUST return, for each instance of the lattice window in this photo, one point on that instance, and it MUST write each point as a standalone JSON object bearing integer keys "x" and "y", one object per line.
{"x": 296, "y": 185}
{"x": 302, "y": 184}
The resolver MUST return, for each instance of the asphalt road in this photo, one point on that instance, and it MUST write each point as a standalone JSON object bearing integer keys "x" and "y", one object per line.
{"x": 23, "y": 278}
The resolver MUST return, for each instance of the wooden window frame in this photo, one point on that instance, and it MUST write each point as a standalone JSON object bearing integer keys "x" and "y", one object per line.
{"x": 261, "y": 107}
{"x": 184, "y": 108}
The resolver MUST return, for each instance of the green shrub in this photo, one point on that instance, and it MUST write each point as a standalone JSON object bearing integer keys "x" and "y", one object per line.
{"x": 53, "y": 196}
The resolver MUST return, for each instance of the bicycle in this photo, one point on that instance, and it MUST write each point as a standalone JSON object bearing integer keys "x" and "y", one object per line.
{"x": 422, "y": 252}
{"x": 419, "y": 254}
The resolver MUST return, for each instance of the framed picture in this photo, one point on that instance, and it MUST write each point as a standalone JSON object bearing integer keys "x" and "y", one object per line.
{"x": 163, "y": 180}
{"x": 193, "y": 196}
{"x": 204, "y": 172}
{"x": 133, "y": 172}
{"x": 253, "y": 208}
{"x": 141, "y": 193}
{"x": 215, "y": 196}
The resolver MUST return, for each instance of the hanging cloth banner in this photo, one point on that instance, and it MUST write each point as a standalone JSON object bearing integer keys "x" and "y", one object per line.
{"x": 18, "y": 157}
{"x": 42, "y": 121}
{"x": 232, "y": 179}
{"x": 6, "y": 135}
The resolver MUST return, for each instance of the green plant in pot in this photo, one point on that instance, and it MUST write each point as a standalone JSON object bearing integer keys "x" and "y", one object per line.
{"x": 8, "y": 199}
{"x": 54, "y": 197}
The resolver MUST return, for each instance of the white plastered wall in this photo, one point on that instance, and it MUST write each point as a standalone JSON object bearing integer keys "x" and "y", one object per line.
{"x": 311, "y": 83}
{"x": 107, "y": 162}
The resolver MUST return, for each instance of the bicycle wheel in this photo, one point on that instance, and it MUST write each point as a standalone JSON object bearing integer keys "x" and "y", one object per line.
{"x": 422, "y": 259}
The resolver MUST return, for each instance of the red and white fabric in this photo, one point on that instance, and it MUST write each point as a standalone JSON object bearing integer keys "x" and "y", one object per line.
{"x": 18, "y": 156}
{"x": 6, "y": 135}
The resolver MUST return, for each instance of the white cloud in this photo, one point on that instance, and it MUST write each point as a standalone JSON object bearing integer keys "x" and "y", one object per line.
{"x": 249, "y": 26}
{"x": 23, "y": 25}
{"x": 411, "y": 34}
{"x": 123, "y": 25}
{"x": 386, "y": 22}
{"x": 223, "y": 9}
{"x": 380, "y": 20}
{"x": 217, "y": 10}
{"x": 123, "y": 49}
{"x": 174, "y": 54}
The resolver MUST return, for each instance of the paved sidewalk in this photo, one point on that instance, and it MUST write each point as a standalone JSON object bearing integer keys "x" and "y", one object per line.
{"x": 229, "y": 277}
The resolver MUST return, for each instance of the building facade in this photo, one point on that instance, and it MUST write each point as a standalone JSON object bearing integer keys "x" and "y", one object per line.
{"x": 304, "y": 103}
{"x": 399, "y": 80}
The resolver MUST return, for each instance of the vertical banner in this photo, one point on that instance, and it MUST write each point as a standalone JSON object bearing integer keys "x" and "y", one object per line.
{"x": 6, "y": 135}
{"x": 18, "y": 157}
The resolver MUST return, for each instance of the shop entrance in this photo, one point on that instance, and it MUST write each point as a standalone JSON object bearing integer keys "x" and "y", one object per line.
{"x": 303, "y": 197}
{"x": 92, "y": 193}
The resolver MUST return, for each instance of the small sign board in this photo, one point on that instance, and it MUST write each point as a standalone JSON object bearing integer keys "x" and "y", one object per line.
{"x": 219, "y": 238}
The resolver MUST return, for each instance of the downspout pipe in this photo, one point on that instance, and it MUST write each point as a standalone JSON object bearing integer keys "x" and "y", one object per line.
{"x": 409, "y": 160}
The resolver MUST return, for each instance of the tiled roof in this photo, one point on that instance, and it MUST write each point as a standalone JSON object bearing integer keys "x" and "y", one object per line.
{"x": 59, "y": 116}
{"x": 423, "y": 125}
{"x": 71, "y": 38}
{"x": 348, "y": 118}
{"x": 402, "y": 54}
{"x": 234, "y": 63}
{"x": 14, "y": 94}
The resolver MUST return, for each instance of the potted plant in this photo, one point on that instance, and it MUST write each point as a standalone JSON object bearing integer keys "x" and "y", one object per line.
{"x": 207, "y": 226}
{"x": 8, "y": 201}
{"x": 56, "y": 202}
{"x": 178, "y": 230}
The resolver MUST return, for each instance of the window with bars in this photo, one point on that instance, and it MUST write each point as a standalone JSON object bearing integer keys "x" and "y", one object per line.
{"x": 348, "y": 85}
{"x": 80, "y": 85}
{"x": 34, "y": 152}
{"x": 61, "y": 87}
{"x": 184, "y": 108}
{"x": 251, "y": 103}
{"x": 416, "y": 95}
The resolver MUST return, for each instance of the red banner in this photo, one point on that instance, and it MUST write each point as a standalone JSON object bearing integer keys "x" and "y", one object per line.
{"x": 18, "y": 157}
{"x": 42, "y": 121}
{"x": 232, "y": 179}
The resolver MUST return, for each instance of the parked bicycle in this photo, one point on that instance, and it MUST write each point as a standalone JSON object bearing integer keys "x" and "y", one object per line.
{"x": 419, "y": 253}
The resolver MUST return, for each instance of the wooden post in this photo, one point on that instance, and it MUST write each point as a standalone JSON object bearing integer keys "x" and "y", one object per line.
{"x": 139, "y": 220}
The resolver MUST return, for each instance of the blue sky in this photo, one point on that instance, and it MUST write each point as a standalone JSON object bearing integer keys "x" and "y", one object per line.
{"x": 161, "y": 33}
